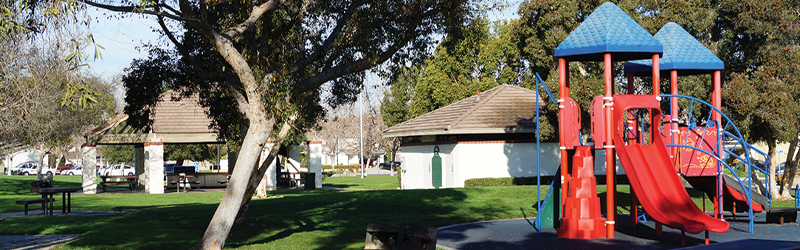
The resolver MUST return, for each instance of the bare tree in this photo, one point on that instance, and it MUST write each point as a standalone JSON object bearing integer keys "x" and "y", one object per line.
{"x": 32, "y": 113}
{"x": 341, "y": 132}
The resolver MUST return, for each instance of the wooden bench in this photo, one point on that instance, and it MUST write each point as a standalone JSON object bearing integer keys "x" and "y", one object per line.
{"x": 226, "y": 180}
{"x": 43, "y": 201}
{"x": 131, "y": 180}
{"x": 286, "y": 179}
{"x": 403, "y": 237}
{"x": 782, "y": 215}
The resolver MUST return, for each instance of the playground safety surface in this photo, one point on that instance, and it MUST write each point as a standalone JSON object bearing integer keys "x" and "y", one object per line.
{"x": 519, "y": 234}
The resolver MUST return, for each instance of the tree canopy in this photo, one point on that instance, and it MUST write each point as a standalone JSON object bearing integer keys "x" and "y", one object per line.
{"x": 476, "y": 57}
{"x": 271, "y": 57}
{"x": 755, "y": 40}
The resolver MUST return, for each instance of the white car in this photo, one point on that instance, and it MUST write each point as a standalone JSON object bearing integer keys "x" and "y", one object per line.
{"x": 76, "y": 170}
{"x": 33, "y": 169}
{"x": 118, "y": 169}
{"x": 17, "y": 170}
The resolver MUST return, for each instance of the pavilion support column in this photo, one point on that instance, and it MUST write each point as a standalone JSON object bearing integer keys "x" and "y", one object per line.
{"x": 7, "y": 163}
{"x": 138, "y": 164}
{"x": 315, "y": 161}
{"x": 89, "y": 169}
{"x": 154, "y": 167}
{"x": 268, "y": 183}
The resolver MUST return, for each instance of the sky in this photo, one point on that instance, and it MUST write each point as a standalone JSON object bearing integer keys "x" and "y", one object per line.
{"x": 123, "y": 38}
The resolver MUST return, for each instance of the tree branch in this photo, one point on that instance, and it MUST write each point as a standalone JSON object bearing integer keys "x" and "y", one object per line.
{"x": 364, "y": 63}
{"x": 329, "y": 41}
{"x": 137, "y": 9}
{"x": 257, "y": 12}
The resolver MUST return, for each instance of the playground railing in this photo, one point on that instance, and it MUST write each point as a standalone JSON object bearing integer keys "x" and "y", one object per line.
{"x": 727, "y": 133}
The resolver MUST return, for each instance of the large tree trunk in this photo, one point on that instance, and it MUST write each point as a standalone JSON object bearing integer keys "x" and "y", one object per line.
{"x": 257, "y": 134}
{"x": 220, "y": 225}
{"x": 258, "y": 173}
{"x": 771, "y": 171}
{"x": 787, "y": 180}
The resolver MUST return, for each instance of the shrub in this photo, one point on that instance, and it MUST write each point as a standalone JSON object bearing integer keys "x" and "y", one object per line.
{"x": 399, "y": 172}
{"x": 351, "y": 166}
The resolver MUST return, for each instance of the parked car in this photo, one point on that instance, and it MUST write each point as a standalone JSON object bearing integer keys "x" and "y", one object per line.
{"x": 16, "y": 170}
{"x": 118, "y": 169}
{"x": 780, "y": 169}
{"x": 27, "y": 169}
{"x": 76, "y": 170}
{"x": 66, "y": 167}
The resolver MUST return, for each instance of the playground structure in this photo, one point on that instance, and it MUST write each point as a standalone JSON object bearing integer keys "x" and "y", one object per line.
{"x": 652, "y": 147}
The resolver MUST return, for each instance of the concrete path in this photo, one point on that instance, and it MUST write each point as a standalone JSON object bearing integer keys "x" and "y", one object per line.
{"x": 39, "y": 242}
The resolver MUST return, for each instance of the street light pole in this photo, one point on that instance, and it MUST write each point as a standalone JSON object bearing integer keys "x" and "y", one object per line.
{"x": 361, "y": 135}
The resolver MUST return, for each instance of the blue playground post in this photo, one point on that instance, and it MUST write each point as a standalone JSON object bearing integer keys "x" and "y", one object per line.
{"x": 537, "y": 82}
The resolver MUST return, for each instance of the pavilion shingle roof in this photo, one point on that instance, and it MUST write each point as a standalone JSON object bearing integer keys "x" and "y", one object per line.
{"x": 184, "y": 116}
{"x": 503, "y": 109}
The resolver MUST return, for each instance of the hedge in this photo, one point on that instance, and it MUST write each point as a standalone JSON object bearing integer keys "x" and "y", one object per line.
{"x": 351, "y": 166}
{"x": 506, "y": 181}
{"x": 521, "y": 181}
{"x": 399, "y": 172}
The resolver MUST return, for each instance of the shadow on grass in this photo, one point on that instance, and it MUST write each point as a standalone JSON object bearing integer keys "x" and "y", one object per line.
{"x": 338, "y": 219}
{"x": 300, "y": 219}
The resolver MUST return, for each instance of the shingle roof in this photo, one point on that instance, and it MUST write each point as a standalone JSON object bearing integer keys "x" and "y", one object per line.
{"x": 174, "y": 121}
{"x": 682, "y": 52}
{"x": 184, "y": 116}
{"x": 502, "y": 109}
{"x": 608, "y": 30}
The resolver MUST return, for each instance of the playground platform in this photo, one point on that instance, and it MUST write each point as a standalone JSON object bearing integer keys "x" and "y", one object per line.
{"x": 518, "y": 234}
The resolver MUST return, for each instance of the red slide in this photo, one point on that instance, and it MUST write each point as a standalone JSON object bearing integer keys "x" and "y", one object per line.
{"x": 654, "y": 180}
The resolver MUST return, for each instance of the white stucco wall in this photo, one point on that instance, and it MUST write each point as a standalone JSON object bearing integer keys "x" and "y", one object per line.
{"x": 468, "y": 160}
{"x": 475, "y": 160}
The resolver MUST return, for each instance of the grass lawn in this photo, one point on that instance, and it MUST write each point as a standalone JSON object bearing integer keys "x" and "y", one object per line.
{"x": 370, "y": 182}
{"x": 299, "y": 219}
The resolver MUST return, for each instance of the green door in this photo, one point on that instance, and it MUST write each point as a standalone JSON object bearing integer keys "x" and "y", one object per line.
{"x": 436, "y": 168}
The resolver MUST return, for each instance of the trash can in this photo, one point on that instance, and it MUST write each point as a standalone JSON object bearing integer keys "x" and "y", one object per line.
{"x": 311, "y": 179}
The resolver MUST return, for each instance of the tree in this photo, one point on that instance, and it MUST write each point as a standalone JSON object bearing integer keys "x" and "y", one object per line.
{"x": 117, "y": 153}
{"x": 473, "y": 58}
{"x": 194, "y": 152}
{"x": 45, "y": 20}
{"x": 272, "y": 56}
{"x": 753, "y": 38}
{"x": 32, "y": 113}
{"x": 470, "y": 60}
{"x": 761, "y": 90}
{"x": 337, "y": 133}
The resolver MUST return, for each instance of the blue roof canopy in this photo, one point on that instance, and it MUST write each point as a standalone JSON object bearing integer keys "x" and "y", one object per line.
{"x": 608, "y": 30}
{"x": 682, "y": 52}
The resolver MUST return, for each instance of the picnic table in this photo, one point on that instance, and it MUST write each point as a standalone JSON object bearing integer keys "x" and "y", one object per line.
{"x": 288, "y": 179}
{"x": 184, "y": 180}
{"x": 131, "y": 180}
{"x": 47, "y": 196}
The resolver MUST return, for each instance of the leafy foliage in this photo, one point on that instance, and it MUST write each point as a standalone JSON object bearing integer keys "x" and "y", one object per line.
{"x": 470, "y": 59}
{"x": 194, "y": 152}
{"x": 117, "y": 153}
